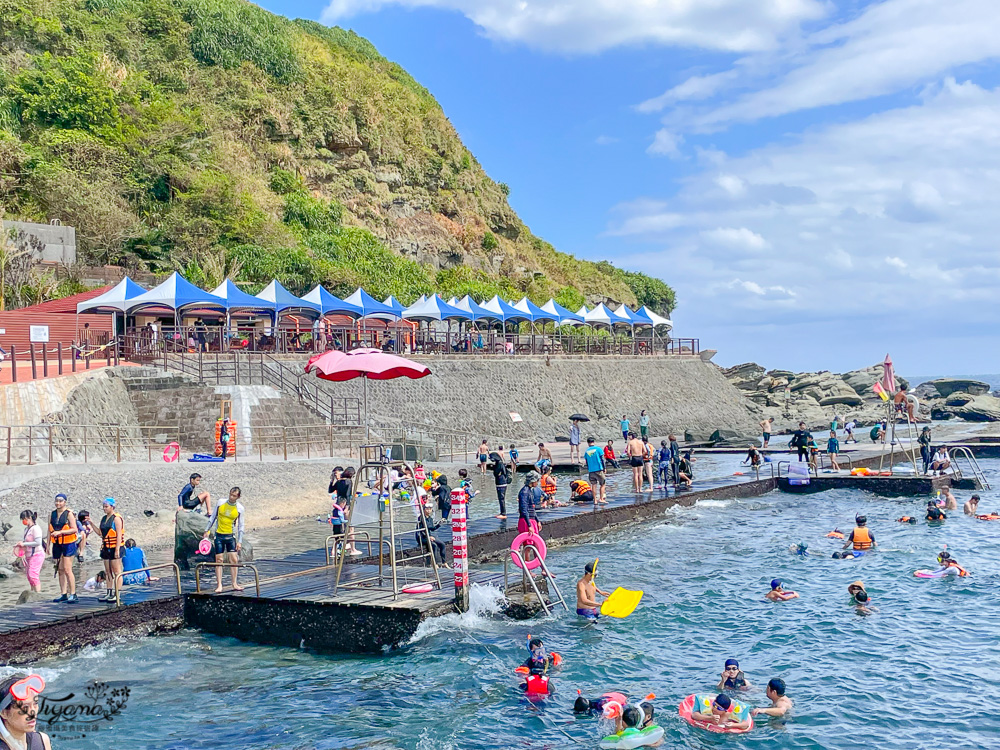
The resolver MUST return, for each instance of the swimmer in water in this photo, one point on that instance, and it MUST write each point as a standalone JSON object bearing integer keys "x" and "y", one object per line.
{"x": 781, "y": 704}
{"x": 950, "y": 503}
{"x": 732, "y": 677}
{"x": 934, "y": 513}
{"x": 861, "y": 538}
{"x": 537, "y": 684}
{"x": 586, "y": 593}
{"x": 538, "y": 655}
{"x": 722, "y": 711}
{"x": 907, "y": 519}
{"x": 971, "y": 506}
{"x": 778, "y": 594}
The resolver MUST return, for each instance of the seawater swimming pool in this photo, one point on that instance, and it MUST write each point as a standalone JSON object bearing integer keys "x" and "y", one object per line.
{"x": 918, "y": 671}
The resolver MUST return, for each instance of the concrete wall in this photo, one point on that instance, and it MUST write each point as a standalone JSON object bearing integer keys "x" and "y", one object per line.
{"x": 59, "y": 241}
{"x": 477, "y": 394}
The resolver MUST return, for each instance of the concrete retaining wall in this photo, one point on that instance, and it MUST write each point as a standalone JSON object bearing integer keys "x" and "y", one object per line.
{"x": 477, "y": 395}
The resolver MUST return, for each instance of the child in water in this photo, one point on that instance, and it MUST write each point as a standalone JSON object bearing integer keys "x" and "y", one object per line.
{"x": 537, "y": 655}
{"x": 732, "y": 677}
{"x": 778, "y": 594}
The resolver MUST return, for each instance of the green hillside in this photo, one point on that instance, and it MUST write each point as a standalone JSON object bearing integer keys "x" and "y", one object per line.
{"x": 213, "y": 137}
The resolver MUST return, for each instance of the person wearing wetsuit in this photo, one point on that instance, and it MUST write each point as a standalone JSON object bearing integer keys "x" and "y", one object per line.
{"x": 227, "y": 522}
{"x": 191, "y": 499}
{"x": 528, "y": 500}
{"x": 934, "y": 513}
{"x": 862, "y": 539}
{"x": 595, "y": 706}
{"x": 501, "y": 475}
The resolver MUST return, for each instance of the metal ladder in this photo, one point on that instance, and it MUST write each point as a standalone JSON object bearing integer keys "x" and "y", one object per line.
{"x": 549, "y": 578}
{"x": 961, "y": 451}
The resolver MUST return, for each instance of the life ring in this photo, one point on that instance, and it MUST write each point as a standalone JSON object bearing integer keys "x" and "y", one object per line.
{"x": 537, "y": 542}
{"x": 686, "y": 708}
{"x": 988, "y": 517}
{"x": 631, "y": 738}
{"x": 936, "y": 573}
{"x": 418, "y": 588}
{"x": 171, "y": 452}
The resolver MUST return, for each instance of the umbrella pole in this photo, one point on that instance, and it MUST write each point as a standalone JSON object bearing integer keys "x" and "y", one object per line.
{"x": 367, "y": 428}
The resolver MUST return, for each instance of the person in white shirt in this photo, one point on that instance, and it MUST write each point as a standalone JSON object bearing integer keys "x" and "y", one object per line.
{"x": 940, "y": 462}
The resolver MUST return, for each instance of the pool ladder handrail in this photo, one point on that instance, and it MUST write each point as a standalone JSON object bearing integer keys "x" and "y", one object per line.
{"x": 119, "y": 579}
{"x": 551, "y": 579}
{"x": 962, "y": 451}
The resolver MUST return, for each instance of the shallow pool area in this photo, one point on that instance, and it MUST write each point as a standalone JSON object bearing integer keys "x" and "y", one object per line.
{"x": 918, "y": 670}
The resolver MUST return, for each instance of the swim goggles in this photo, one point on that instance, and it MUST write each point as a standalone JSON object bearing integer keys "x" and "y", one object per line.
{"x": 23, "y": 690}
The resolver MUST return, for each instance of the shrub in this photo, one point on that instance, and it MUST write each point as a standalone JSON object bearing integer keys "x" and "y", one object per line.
{"x": 490, "y": 241}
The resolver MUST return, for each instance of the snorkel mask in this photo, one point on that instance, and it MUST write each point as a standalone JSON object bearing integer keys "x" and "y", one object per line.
{"x": 21, "y": 690}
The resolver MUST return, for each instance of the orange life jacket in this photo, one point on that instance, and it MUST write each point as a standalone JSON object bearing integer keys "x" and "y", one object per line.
{"x": 58, "y": 523}
{"x": 962, "y": 572}
{"x": 110, "y": 532}
{"x": 581, "y": 487}
{"x": 548, "y": 484}
{"x": 862, "y": 538}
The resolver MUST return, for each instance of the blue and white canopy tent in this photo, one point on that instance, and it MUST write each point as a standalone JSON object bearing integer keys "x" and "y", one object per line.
{"x": 528, "y": 307}
{"x": 600, "y": 315}
{"x": 476, "y": 311}
{"x": 286, "y": 302}
{"x": 331, "y": 304}
{"x": 434, "y": 308}
{"x": 563, "y": 316}
{"x": 371, "y": 307}
{"x": 179, "y": 296}
{"x": 505, "y": 311}
{"x": 657, "y": 320}
{"x": 396, "y": 306}
{"x": 115, "y": 300}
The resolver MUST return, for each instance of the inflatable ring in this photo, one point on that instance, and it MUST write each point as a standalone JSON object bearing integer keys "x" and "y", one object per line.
{"x": 686, "y": 708}
{"x": 631, "y": 738}
{"x": 171, "y": 452}
{"x": 537, "y": 542}
{"x": 935, "y": 573}
{"x": 419, "y": 588}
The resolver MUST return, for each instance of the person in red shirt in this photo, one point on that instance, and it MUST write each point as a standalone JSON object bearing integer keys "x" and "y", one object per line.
{"x": 609, "y": 454}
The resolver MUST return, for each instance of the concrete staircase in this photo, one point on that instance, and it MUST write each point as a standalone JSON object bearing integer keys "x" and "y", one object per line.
{"x": 186, "y": 410}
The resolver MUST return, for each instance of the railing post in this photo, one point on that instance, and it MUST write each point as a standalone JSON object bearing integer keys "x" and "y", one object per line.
{"x": 59, "y": 354}
{"x": 50, "y": 443}
{"x": 13, "y": 364}
{"x": 45, "y": 361}
{"x": 34, "y": 364}
{"x": 31, "y": 440}
{"x": 118, "y": 442}
{"x": 284, "y": 442}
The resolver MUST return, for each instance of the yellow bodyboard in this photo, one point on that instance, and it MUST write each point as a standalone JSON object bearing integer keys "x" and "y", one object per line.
{"x": 621, "y": 603}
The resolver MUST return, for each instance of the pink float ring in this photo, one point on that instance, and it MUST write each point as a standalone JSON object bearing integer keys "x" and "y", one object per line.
{"x": 171, "y": 452}
{"x": 536, "y": 541}
{"x": 18, "y": 551}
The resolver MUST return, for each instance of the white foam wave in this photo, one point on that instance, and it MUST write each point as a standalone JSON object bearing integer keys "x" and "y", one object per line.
{"x": 485, "y": 603}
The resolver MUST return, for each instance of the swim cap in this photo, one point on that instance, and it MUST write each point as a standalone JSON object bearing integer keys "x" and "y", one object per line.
{"x": 775, "y": 583}
{"x": 63, "y": 496}
{"x": 732, "y": 663}
{"x": 534, "y": 643}
{"x": 109, "y": 501}
{"x": 723, "y": 701}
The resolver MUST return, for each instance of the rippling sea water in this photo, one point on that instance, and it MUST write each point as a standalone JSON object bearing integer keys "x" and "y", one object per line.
{"x": 920, "y": 670}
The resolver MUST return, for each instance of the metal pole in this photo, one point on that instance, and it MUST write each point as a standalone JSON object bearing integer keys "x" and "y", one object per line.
{"x": 34, "y": 364}
{"x": 59, "y": 354}
{"x": 13, "y": 364}
{"x": 118, "y": 442}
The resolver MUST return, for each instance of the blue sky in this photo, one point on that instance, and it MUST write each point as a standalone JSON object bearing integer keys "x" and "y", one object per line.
{"x": 817, "y": 180}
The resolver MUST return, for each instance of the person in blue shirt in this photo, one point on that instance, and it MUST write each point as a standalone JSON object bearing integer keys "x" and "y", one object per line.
{"x": 594, "y": 457}
{"x": 625, "y": 425}
{"x": 513, "y": 458}
{"x": 832, "y": 449}
{"x": 663, "y": 472}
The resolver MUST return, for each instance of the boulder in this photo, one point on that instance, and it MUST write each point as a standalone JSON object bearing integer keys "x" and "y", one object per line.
{"x": 691, "y": 436}
{"x": 846, "y": 400}
{"x": 785, "y": 374}
{"x": 6, "y": 572}
{"x": 926, "y": 391}
{"x": 948, "y": 386}
{"x": 980, "y": 409}
{"x": 600, "y": 405}
{"x": 28, "y": 596}
{"x": 744, "y": 376}
{"x": 959, "y": 399}
{"x": 939, "y": 412}
{"x": 189, "y": 530}
{"x": 546, "y": 408}
{"x": 863, "y": 380}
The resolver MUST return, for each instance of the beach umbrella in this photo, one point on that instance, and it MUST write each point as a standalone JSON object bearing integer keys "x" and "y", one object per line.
{"x": 369, "y": 364}
{"x": 888, "y": 375}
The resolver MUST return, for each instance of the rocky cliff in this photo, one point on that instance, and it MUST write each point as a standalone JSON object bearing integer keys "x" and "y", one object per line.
{"x": 214, "y": 137}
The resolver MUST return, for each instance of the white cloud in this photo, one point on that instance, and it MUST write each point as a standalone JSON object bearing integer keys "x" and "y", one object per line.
{"x": 587, "y": 26}
{"x": 605, "y": 140}
{"x": 694, "y": 88}
{"x": 891, "y": 210}
{"x": 891, "y": 46}
{"x": 666, "y": 143}
{"x": 735, "y": 238}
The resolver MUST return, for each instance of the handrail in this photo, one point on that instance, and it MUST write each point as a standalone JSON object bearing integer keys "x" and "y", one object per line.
{"x": 199, "y": 566}
{"x": 121, "y": 576}
{"x": 367, "y": 540}
{"x": 963, "y": 451}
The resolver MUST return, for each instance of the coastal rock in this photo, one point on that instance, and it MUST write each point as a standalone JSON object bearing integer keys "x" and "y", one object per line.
{"x": 980, "y": 409}
{"x": 692, "y": 436}
{"x": 863, "y": 380}
{"x": 28, "y": 597}
{"x": 846, "y": 400}
{"x": 940, "y": 413}
{"x": 6, "y": 572}
{"x": 948, "y": 386}
{"x": 746, "y": 376}
{"x": 959, "y": 399}
{"x": 786, "y": 374}
{"x": 926, "y": 391}
{"x": 546, "y": 407}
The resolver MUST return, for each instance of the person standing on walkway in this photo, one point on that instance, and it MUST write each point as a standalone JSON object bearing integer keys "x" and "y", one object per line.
{"x": 501, "y": 475}
{"x": 484, "y": 453}
{"x": 527, "y": 503}
{"x": 675, "y": 457}
{"x": 574, "y": 442}
{"x": 663, "y": 465}
{"x": 595, "y": 465}
{"x": 643, "y": 424}
{"x": 63, "y": 537}
{"x": 647, "y": 461}
{"x": 112, "y": 541}
{"x": 33, "y": 553}
{"x": 925, "y": 447}
{"x": 849, "y": 430}
{"x": 766, "y": 428}
{"x": 514, "y": 455}
{"x": 634, "y": 451}
{"x": 625, "y": 425}
{"x": 224, "y": 438}
{"x": 800, "y": 441}
{"x": 227, "y": 522}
